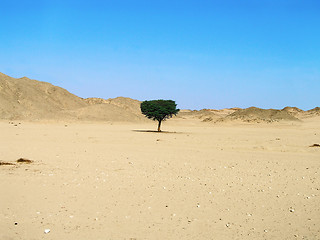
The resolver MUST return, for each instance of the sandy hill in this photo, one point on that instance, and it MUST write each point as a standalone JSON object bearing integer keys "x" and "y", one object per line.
{"x": 93, "y": 101}
{"x": 207, "y": 115}
{"x": 315, "y": 112}
{"x": 225, "y": 112}
{"x": 256, "y": 115}
{"x": 128, "y": 104}
{"x": 104, "y": 112}
{"x": 204, "y": 114}
{"x": 298, "y": 113}
{"x": 26, "y": 99}
{"x": 112, "y": 109}
{"x": 23, "y": 98}
{"x": 293, "y": 110}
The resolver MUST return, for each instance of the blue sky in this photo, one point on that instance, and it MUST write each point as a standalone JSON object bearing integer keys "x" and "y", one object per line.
{"x": 202, "y": 54}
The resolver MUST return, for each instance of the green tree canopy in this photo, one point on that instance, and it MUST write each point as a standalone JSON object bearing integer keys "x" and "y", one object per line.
{"x": 159, "y": 110}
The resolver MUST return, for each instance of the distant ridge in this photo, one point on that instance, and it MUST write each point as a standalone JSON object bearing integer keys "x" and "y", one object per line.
{"x": 206, "y": 115}
{"x": 27, "y": 99}
{"x": 257, "y": 115}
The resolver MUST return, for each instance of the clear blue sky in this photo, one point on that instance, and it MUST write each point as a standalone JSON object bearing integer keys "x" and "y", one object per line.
{"x": 203, "y": 54}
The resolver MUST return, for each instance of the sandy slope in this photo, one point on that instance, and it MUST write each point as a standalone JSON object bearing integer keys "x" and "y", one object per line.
{"x": 102, "y": 181}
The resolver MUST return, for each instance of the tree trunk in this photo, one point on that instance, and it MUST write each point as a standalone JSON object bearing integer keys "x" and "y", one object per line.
{"x": 159, "y": 126}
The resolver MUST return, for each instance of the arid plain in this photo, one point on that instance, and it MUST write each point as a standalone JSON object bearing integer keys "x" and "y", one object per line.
{"x": 208, "y": 175}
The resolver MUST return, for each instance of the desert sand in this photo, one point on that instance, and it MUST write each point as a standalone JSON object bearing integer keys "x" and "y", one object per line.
{"x": 99, "y": 171}
{"x": 195, "y": 181}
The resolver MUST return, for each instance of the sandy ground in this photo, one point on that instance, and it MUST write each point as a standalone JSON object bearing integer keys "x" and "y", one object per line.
{"x": 198, "y": 181}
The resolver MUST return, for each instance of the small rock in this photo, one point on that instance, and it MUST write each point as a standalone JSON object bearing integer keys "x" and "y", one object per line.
{"x": 46, "y": 231}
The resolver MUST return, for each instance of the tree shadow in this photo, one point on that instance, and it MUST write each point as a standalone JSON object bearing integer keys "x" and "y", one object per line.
{"x": 152, "y": 131}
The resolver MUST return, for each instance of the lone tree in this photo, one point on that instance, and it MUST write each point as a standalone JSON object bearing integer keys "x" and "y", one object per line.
{"x": 159, "y": 110}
